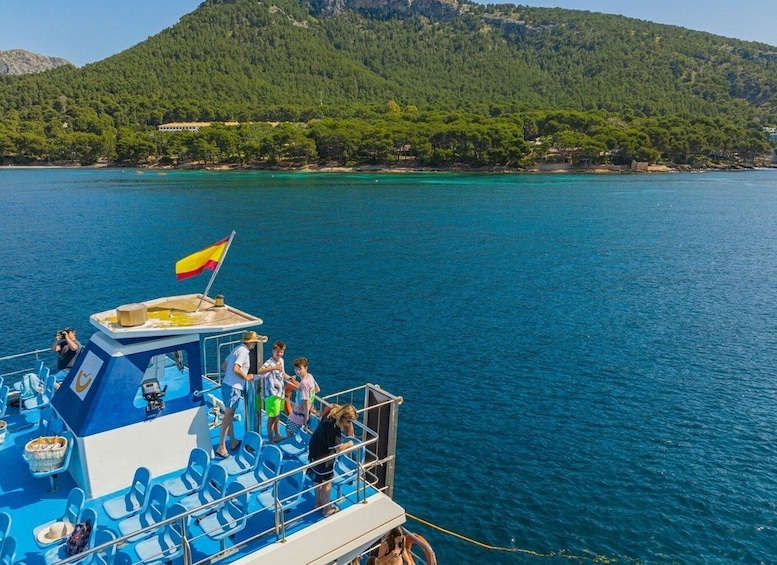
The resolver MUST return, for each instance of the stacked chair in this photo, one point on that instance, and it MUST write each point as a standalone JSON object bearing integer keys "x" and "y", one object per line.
{"x": 152, "y": 512}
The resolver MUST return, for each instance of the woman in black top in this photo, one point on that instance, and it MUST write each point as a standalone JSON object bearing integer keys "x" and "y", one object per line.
{"x": 325, "y": 441}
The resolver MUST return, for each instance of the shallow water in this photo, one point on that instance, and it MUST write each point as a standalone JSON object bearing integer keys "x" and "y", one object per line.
{"x": 587, "y": 361}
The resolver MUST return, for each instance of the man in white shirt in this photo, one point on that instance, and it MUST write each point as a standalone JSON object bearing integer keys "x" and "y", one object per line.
{"x": 236, "y": 374}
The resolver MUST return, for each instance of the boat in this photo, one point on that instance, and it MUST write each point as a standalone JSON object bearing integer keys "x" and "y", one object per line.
{"x": 115, "y": 464}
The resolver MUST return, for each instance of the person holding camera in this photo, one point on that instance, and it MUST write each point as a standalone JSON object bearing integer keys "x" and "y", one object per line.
{"x": 68, "y": 348}
{"x": 393, "y": 550}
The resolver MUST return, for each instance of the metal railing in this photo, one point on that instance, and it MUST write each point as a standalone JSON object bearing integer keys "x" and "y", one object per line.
{"x": 23, "y": 359}
{"x": 22, "y": 364}
{"x": 365, "y": 482}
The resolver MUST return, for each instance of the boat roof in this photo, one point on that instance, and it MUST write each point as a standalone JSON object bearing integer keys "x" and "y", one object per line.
{"x": 172, "y": 315}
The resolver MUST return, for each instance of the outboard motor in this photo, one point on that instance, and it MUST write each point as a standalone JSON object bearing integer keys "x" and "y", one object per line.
{"x": 153, "y": 395}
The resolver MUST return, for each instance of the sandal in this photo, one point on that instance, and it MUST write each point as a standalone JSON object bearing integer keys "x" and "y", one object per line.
{"x": 331, "y": 509}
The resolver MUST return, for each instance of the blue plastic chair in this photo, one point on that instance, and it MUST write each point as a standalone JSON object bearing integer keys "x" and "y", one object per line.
{"x": 58, "y": 553}
{"x": 8, "y": 551}
{"x": 122, "y": 506}
{"x": 56, "y": 427}
{"x": 269, "y": 467}
{"x": 49, "y": 423}
{"x": 43, "y": 397}
{"x": 152, "y": 512}
{"x": 72, "y": 515}
{"x": 296, "y": 447}
{"x": 290, "y": 491}
{"x": 5, "y": 528}
{"x": 107, "y": 555}
{"x": 46, "y": 415}
{"x": 169, "y": 543}
{"x": 29, "y": 386}
{"x": 191, "y": 478}
{"x": 3, "y": 400}
{"x": 346, "y": 468}
{"x": 230, "y": 518}
{"x": 214, "y": 485}
{"x": 52, "y": 473}
{"x": 247, "y": 457}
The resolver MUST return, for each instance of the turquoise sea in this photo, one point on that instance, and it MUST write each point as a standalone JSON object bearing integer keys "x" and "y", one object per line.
{"x": 588, "y": 362}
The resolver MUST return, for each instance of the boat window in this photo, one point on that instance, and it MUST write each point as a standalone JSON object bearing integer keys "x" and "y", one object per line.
{"x": 166, "y": 377}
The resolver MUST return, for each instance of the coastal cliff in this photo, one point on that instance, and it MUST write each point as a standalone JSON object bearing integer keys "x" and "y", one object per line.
{"x": 21, "y": 62}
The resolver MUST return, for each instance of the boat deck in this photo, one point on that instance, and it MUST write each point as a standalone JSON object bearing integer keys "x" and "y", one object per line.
{"x": 139, "y": 410}
{"x": 268, "y": 534}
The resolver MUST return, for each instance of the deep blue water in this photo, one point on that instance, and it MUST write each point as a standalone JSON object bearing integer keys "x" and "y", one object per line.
{"x": 587, "y": 362}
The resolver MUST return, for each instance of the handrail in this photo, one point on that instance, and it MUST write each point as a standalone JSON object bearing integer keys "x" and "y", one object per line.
{"x": 280, "y": 520}
{"x": 26, "y": 353}
{"x": 198, "y": 393}
{"x": 220, "y": 345}
{"x": 364, "y": 469}
{"x": 35, "y": 352}
{"x": 226, "y": 340}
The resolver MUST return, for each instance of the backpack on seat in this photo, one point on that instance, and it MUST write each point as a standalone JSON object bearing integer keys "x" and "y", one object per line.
{"x": 29, "y": 386}
{"x": 79, "y": 539}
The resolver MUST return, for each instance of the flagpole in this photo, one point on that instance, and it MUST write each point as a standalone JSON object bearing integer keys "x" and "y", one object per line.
{"x": 216, "y": 271}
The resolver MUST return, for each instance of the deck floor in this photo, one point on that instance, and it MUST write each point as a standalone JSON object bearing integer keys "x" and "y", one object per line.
{"x": 30, "y": 504}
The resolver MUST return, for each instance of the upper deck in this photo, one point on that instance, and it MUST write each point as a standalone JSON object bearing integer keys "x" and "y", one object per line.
{"x": 113, "y": 430}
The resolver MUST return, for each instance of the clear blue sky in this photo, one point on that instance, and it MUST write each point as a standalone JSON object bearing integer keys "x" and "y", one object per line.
{"x": 85, "y": 31}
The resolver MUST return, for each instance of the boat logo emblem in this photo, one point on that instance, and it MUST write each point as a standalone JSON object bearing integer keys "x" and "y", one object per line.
{"x": 85, "y": 377}
{"x": 81, "y": 387}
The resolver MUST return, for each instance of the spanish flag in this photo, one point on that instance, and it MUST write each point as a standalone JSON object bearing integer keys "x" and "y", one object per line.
{"x": 207, "y": 258}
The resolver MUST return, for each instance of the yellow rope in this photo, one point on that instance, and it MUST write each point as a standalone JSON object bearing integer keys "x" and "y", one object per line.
{"x": 562, "y": 553}
{"x": 454, "y": 534}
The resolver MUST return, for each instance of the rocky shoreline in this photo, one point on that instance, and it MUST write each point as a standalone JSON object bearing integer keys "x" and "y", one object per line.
{"x": 549, "y": 169}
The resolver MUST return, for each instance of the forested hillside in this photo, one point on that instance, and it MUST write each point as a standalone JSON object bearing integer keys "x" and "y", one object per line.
{"x": 545, "y": 73}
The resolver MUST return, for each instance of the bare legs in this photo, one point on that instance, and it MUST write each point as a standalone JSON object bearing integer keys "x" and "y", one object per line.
{"x": 227, "y": 429}
{"x": 323, "y": 495}
{"x": 273, "y": 429}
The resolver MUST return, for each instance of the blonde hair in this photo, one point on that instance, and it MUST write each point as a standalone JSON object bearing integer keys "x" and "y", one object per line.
{"x": 346, "y": 411}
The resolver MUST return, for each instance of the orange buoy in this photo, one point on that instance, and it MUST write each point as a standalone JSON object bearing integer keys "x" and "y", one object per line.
{"x": 287, "y": 392}
{"x": 418, "y": 540}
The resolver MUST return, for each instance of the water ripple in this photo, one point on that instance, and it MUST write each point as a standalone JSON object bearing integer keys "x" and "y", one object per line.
{"x": 587, "y": 363}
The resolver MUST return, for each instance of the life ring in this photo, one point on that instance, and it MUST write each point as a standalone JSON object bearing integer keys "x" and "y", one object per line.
{"x": 412, "y": 539}
{"x": 288, "y": 390}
